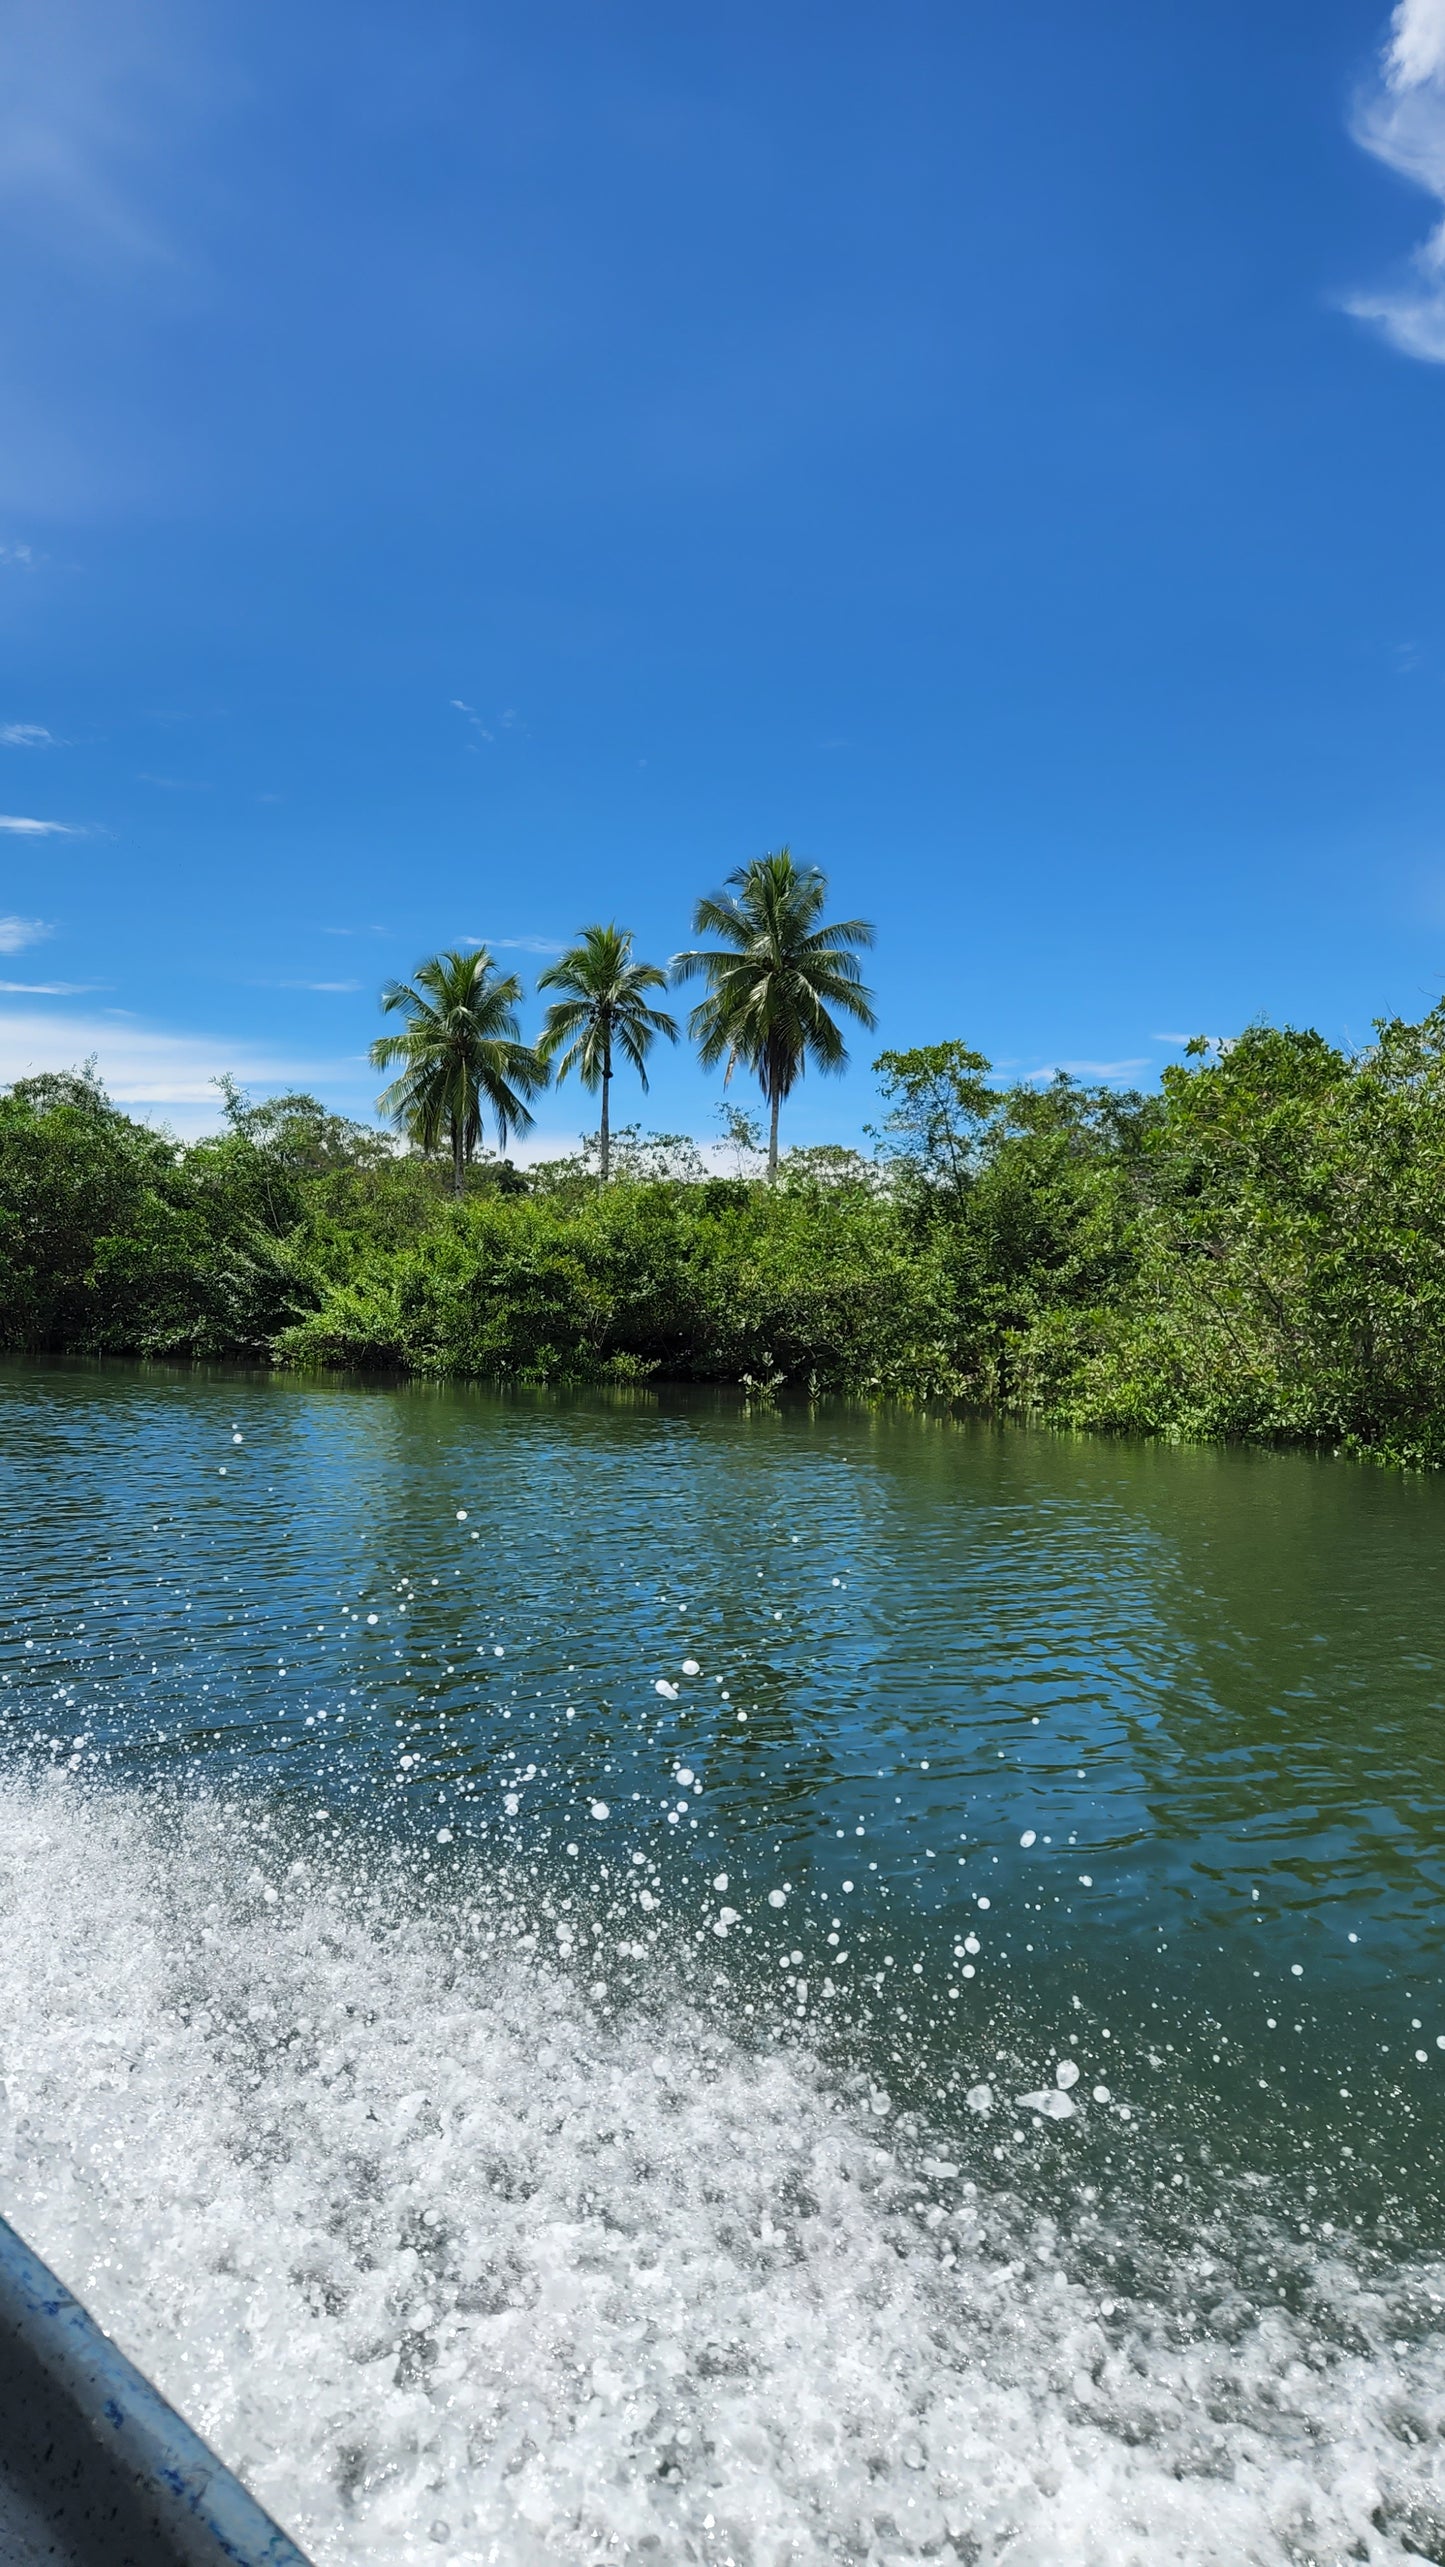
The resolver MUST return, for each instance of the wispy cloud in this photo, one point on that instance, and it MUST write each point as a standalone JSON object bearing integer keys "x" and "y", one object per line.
{"x": 474, "y": 721}
{"x": 27, "y": 735}
{"x": 1087, "y": 1069}
{"x": 173, "y": 783}
{"x": 326, "y": 988}
{"x": 17, "y": 556}
{"x": 510, "y": 720}
{"x": 1401, "y": 119}
{"x": 517, "y": 944}
{"x": 48, "y": 988}
{"x": 20, "y": 828}
{"x": 17, "y": 933}
{"x": 147, "y": 1066}
{"x": 88, "y": 91}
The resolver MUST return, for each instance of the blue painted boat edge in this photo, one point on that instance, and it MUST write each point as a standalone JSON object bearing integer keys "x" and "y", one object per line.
{"x": 201, "y": 2512}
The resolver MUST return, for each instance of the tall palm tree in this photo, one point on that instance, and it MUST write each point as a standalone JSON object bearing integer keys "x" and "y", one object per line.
{"x": 781, "y": 968}
{"x": 604, "y": 1010}
{"x": 461, "y": 1052}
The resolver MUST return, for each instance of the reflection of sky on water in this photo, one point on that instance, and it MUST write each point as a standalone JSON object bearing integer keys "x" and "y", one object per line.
{"x": 1204, "y": 1686}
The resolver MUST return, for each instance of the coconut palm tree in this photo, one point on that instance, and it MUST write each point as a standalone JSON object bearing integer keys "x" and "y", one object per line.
{"x": 461, "y": 1052}
{"x": 604, "y": 1010}
{"x": 781, "y": 967}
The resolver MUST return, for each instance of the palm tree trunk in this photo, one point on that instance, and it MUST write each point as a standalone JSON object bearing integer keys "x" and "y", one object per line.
{"x": 458, "y": 1160}
{"x": 605, "y": 1151}
{"x": 774, "y": 1102}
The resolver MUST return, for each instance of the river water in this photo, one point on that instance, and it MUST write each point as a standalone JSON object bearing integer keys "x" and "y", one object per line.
{"x": 609, "y": 1977}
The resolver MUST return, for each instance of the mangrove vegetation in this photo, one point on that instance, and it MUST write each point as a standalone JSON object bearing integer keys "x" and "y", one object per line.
{"x": 1257, "y": 1251}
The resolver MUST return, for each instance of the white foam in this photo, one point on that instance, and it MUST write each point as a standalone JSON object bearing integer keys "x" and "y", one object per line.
{"x": 425, "y": 2241}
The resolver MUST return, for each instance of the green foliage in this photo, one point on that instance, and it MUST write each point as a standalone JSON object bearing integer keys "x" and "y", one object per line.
{"x": 939, "y": 1103}
{"x": 774, "y": 981}
{"x": 1290, "y": 1276}
{"x": 112, "y": 1240}
{"x": 1258, "y": 1251}
{"x": 461, "y": 1052}
{"x": 602, "y": 1012}
{"x": 812, "y": 1284}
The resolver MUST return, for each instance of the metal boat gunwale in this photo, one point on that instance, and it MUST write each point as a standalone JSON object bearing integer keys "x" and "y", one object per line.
{"x": 92, "y": 2454}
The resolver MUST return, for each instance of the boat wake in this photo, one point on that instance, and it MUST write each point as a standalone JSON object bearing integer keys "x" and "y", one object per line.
{"x": 451, "y": 2257}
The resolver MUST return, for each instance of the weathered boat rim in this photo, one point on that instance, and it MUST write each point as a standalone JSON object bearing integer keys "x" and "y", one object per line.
{"x": 83, "y": 2392}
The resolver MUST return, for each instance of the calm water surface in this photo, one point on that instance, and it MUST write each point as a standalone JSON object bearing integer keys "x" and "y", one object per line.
{"x": 619, "y": 1976}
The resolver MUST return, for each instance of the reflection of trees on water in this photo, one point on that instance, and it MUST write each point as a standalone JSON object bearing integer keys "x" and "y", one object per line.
{"x": 1244, "y": 1652}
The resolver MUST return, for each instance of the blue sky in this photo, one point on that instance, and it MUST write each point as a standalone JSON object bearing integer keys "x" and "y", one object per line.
{"x": 466, "y": 471}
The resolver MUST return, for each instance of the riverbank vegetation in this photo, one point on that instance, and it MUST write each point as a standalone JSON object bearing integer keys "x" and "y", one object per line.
{"x": 1257, "y": 1251}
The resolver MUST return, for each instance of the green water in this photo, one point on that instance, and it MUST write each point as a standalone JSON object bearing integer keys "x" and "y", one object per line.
{"x": 1013, "y": 1750}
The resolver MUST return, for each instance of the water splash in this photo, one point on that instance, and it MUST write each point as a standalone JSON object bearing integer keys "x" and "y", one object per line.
{"x": 452, "y": 2257}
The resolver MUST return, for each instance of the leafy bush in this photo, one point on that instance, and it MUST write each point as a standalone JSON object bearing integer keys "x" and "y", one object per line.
{"x": 1258, "y": 1251}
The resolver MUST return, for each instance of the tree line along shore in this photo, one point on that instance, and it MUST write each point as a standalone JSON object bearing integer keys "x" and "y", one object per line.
{"x": 1256, "y": 1252}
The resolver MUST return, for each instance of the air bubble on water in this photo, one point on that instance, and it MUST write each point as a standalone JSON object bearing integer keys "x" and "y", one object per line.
{"x": 600, "y": 1809}
{"x": 1049, "y": 2102}
{"x": 777, "y": 1898}
{"x": 1066, "y": 2074}
{"x": 690, "y": 1667}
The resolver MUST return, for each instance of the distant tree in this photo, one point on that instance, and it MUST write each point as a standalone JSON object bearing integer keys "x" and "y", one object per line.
{"x": 742, "y": 1134}
{"x": 460, "y": 1053}
{"x": 48, "y": 1090}
{"x": 302, "y": 1132}
{"x": 771, "y": 984}
{"x": 939, "y": 1102}
{"x": 603, "y": 1011}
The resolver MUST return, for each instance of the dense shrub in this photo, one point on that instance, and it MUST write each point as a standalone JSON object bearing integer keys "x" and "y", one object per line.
{"x": 1258, "y": 1251}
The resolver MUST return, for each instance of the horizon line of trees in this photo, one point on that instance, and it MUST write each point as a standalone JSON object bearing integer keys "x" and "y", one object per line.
{"x": 1256, "y": 1252}
{"x": 776, "y": 981}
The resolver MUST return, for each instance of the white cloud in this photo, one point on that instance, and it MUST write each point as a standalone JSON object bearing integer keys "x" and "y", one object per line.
{"x": 19, "y": 828}
{"x": 517, "y": 944}
{"x": 46, "y": 988}
{"x": 16, "y": 933}
{"x": 147, "y": 1067}
{"x": 1417, "y": 41}
{"x": 324, "y": 988}
{"x": 20, "y": 555}
{"x": 26, "y": 735}
{"x": 509, "y": 720}
{"x": 1401, "y": 119}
